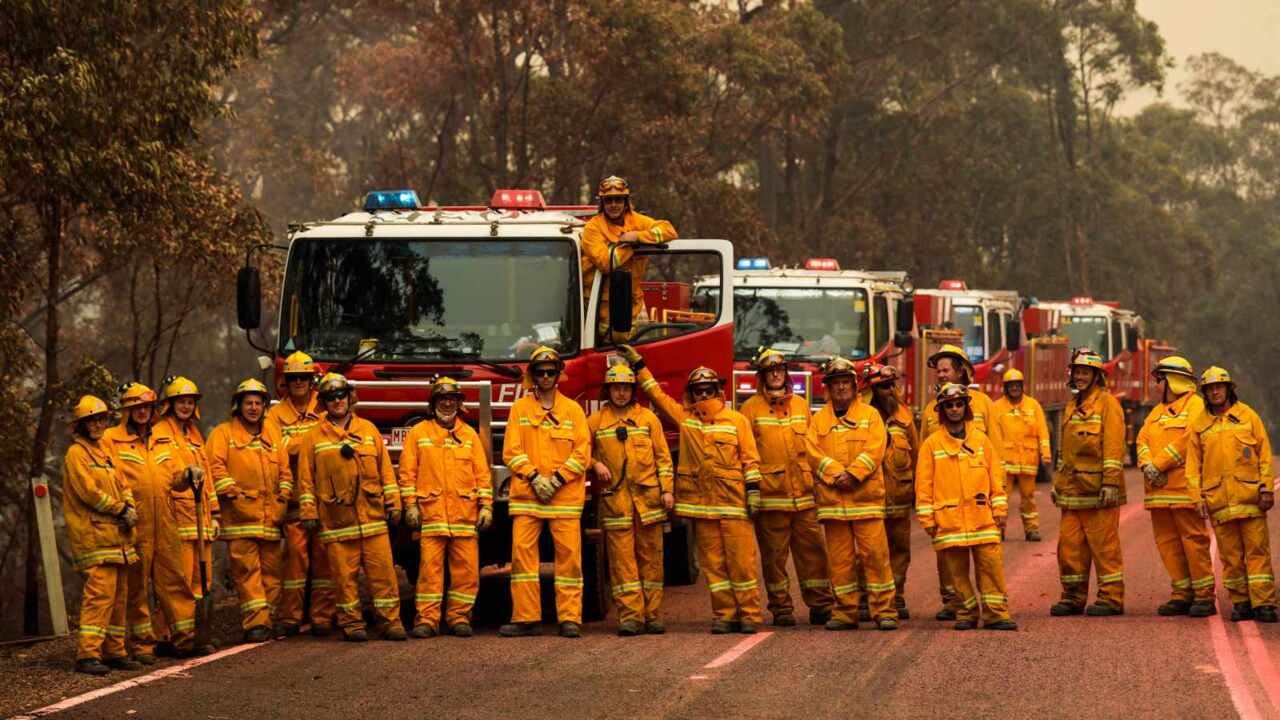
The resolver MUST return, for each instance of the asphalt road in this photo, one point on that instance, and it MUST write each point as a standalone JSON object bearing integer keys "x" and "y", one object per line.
{"x": 1138, "y": 665}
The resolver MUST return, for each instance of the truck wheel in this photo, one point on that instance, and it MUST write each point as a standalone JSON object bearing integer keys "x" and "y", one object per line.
{"x": 595, "y": 580}
{"x": 680, "y": 562}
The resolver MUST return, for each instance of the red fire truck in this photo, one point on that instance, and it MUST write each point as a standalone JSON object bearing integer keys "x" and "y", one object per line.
{"x": 397, "y": 294}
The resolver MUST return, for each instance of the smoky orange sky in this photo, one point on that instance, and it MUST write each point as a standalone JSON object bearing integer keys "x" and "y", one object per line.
{"x": 1247, "y": 31}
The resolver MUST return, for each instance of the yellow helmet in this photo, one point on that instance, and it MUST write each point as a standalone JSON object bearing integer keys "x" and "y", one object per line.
{"x": 703, "y": 375}
{"x": 88, "y": 407}
{"x": 250, "y": 386}
{"x": 135, "y": 394}
{"x": 1216, "y": 375}
{"x": 838, "y": 367}
{"x": 333, "y": 383}
{"x": 1085, "y": 357}
{"x": 1012, "y": 375}
{"x": 544, "y": 354}
{"x": 613, "y": 186}
{"x": 951, "y": 391}
{"x": 445, "y": 387}
{"x": 299, "y": 363}
{"x": 1174, "y": 365}
{"x": 178, "y": 386}
{"x": 952, "y": 351}
{"x": 620, "y": 374}
{"x": 767, "y": 358}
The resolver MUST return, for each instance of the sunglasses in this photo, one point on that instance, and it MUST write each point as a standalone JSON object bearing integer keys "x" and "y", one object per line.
{"x": 953, "y": 404}
{"x": 702, "y": 391}
{"x": 545, "y": 373}
{"x": 335, "y": 395}
{"x": 615, "y": 199}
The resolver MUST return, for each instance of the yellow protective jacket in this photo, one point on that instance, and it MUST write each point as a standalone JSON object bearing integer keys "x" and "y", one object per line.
{"x": 251, "y": 476}
{"x": 1091, "y": 452}
{"x": 350, "y": 497}
{"x": 1229, "y": 463}
{"x": 93, "y": 497}
{"x": 637, "y": 492}
{"x": 780, "y": 426}
{"x": 446, "y": 471}
{"x": 718, "y": 456}
{"x": 983, "y": 412}
{"x": 187, "y": 443}
{"x": 292, "y": 426}
{"x": 854, "y": 443}
{"x": 960, "y": 489}
{"x": 1168, "y": 430}
{"x": 899, "y": 464}
{"x": 547, "y": 442}
{"x": 1023, "y": 433}
{"x": 600, "y": 236}
{"x": 151, "y": 470}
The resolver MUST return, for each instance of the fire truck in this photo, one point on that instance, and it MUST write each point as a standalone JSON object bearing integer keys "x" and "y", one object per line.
{"x": 397, "y": 294}
{"x": 812, "y": 313}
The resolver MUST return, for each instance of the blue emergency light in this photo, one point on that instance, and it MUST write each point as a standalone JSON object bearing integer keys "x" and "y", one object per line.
{"x": 391, "y": 200}
{"x": 759, "y": 263}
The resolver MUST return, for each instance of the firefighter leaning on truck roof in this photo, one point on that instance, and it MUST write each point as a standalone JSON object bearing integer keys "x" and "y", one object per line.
{"x": 1019, "y": 422}
{"x": 718, "y": 487}
{"x": 607, "y": 239}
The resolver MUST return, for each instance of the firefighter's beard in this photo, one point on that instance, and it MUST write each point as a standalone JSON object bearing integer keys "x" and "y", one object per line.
{"x": 446, "y": 419}
{"x": 888, "y": 404}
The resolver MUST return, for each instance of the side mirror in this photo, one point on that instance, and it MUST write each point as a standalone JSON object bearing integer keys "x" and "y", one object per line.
{"x": 1131, "y": 339}
{"x": 249, "y": 298}
{"x": 906, "y": 317}
{"x": 620, "y": 303}
{"x": 902, "y": 340}
{"x": 1013, "y": 335}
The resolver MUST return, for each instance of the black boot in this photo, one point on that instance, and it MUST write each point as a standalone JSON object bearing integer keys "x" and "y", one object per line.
{"x": 91, "y": 666}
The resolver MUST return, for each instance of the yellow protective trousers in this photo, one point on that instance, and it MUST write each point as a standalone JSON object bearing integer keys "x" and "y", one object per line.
{"x": 372, "y": 554}
{"x": 255, "y": 570}
{"x": 526, "y": 600}
{"x": 635, "y": 570}
{"x": 1091, "y": 538}
{"x": 784, "y": 534}
{"x": 946, "y": 588}
{"x": 159, "y": 571}
{"x": 726, "y": 551}
{"x": 1245, "y": 550}
{"x": 304, "y": 551}
{"x": 854, "y": 544}
{"x": 988, "y": 566}
{"x": 1182, "y": 537}
{"x": 898, "y": 531}
{"x": 103, "y": 604}
{"x": 191, "y": 566}
{"x": 1026, "y": 485}
{"x": 462, "y": 553}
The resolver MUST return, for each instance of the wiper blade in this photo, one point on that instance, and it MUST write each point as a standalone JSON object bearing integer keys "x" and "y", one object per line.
{"x": 474, "y": 357}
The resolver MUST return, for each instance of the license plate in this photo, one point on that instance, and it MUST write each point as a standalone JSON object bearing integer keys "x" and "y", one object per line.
{"x": 397, "y": 436}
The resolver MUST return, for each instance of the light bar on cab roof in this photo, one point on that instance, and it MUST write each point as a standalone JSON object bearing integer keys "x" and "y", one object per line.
{"x": 758, "y": 263}
{"x": 952, "y": 285}
{"x": 1082, "y": 300}
{"x": 821, "y": 264}
{"x": 517, "y": 200}
{"x": 391, "y": 200}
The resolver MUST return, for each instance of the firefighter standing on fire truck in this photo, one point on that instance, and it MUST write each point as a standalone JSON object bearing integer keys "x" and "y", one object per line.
{"x": 1229, "y": 472}
{"x": 787, "y": 524}
{"x": 633, "y": 465}
{"x": 1089, "y": 488}
{"x": 347, "y": 491}
{"x": 1180, "y": 533}
{"x": 718, "y": 487}
{"x": 1020, "y": 424}
{"x": 607, "y": 239}
{"x": 548, "y": 448}
{"x": 446, "y": 487}
{"x": 296, "y": 415}
{"x": 899, "y": 475}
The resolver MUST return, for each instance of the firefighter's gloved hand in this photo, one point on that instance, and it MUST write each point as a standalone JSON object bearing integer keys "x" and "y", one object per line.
{"x": 843, "y": 480}
{"x": 395, "y": 516}
{"x": 753, "y": 502}
{"x": 484, "y": 519}
{"x": 128, "y": 518}
{"x": 1266, "y": 500}
{"x": 195, "y": 476}
{"x": 310, "y": 525}
{"x": 1109, "y": 496}
{"x": 215, "y": 528}
{"x": 413, "y": 516}
{"x": 1153, "y": 476}
{"x": 1001, "y": 521}
{"x": 544, "y": 487}
{"x": 630, "y": 354}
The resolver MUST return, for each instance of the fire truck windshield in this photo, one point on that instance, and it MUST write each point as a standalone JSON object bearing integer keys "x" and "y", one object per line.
{"x": 968, "y": 320}
{"x": 430, "y": 300}
{"x": 803, "y": 322}
{"x": 1087, "y": 331}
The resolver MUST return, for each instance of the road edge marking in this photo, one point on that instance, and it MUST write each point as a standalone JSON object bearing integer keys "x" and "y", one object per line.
{"x": 737, "y": 651}
{"x": 1237, "y": 687}
{"x": 1263, "y": 667}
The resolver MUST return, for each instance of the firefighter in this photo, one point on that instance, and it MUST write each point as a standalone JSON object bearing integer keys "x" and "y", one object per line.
{"x": 251, "y": 477}
{"x": 633, "y": 465}
{"x": 961, "y": 504}
{"x": 846, "y": 445}
{"x": 717, "y": 487}
{"x": 788, "y": 519}
{"x": 1229, "y": 474}
{"x": 1181, "y": 535}
{"x": 347, "y": 492}
{"x": 899, "y": 469}
{"x": 606, "y": 242}
{"x": 179, "y": 411}
{"x": 951, "y": 365}
{"x": 1089, "y": 488}
{"x": 100, "y": 515}
{"x": 1019, "y": 422}
{"x": 295, "y": 416}
{"x": 547, "y": 448}
{"x": 446, "y": 487}
{"x": 146, "y": 461}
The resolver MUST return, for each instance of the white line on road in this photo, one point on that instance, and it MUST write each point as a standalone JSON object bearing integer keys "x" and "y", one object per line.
{"x": 738, "y": 650}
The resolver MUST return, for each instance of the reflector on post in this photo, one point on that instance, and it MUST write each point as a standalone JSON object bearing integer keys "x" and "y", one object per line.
{"x": 517, "y": 200}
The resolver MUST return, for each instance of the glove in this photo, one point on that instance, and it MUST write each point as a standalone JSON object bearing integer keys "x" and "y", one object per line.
{"x": 128, "y": 518}
{"x": 1153, "y": 476}
{"x": 215, "y": 528}
{"x": 545, "y": 487}
{"x": 843, "y": 480}
{"x": 753, "y": 502}
{"x": 195, "y": 476}
{"x": 1266, "y": 500}
{"x": 1109, "y": 495}
{"x": 630, "y": 354}
{"x": 485, "y": 519}
{"x": 310, "y": 525}
{"x": 1001, "y": 521}
{"x": 395, "y": 516}
{"x": 413, "y": 516}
